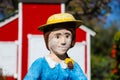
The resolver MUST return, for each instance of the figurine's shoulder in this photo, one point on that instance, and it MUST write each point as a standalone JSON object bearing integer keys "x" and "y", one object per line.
{"x": 39, "y": 61}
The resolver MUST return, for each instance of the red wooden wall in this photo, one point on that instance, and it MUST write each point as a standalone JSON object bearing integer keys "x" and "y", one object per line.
{"x": 34, "y": 15}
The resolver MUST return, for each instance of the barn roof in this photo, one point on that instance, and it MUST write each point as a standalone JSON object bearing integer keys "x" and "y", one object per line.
{"x": 43, "y": 1}
{"x": 8, "y": 20}
{"x": 86, "y": 29}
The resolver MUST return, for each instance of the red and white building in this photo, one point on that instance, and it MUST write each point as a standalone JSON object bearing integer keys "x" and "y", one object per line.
{"x": 21, "y": 42}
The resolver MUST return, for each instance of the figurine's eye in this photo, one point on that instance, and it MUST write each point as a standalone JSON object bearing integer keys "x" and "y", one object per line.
{"x": 57, "y": 36}
{"x": 67, "y": 36}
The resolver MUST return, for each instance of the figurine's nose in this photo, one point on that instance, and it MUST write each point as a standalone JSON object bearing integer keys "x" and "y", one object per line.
{"x": 63, "y": 41}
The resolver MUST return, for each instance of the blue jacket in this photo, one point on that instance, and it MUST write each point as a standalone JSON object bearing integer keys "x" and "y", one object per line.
{"x": 41, "y": 70}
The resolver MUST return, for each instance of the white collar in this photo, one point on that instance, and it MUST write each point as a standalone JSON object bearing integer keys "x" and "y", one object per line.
{"x": 53, "y": 64}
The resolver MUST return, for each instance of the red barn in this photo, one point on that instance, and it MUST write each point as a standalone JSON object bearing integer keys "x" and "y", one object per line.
{"x": 21, "y": 42}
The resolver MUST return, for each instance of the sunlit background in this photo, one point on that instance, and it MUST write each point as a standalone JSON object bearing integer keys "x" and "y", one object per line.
{"x": 102, "y": 16}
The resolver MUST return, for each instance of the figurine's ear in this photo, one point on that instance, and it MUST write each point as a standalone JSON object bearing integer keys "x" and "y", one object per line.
{"x": 72, "y": 43}
{"x": 46, "y": 36}
{"x": 73, "y": 39}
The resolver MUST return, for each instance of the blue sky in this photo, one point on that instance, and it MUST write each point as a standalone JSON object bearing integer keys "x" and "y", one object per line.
{"x": 114, "y": 16}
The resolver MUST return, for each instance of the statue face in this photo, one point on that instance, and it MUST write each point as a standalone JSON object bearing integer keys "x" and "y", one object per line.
{"x": 59, "y": 41}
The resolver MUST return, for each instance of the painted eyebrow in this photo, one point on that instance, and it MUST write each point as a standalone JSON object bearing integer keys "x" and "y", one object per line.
{"x": 68, "y": 33}
{"x": 58, "y": 34}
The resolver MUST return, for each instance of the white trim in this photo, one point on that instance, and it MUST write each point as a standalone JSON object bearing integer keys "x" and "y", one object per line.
{"x": 20, "y": 42}
{"x": 29, "y": 36}
{"x": 32, "y": 35}
{"x": 87, "y": 30}
{"x": 81, "y": 43}
{"x": 15, "y": 41}
{"x": 62, "y": 7}
{"x": 8, "y": 20}
{"x": 88, "y": 40}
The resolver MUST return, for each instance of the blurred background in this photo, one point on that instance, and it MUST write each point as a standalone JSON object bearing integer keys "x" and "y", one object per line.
{"x": 8, "y": 8}
{"x": 103, "y": 17}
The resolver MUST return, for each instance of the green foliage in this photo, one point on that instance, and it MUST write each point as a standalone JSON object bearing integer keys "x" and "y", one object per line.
{"x": 117, "y": 37}
{"x": 102, "y": 42}
{"x": 116, "y": 75}
{"x": 100, "y": 54}
{"x": 89, "y": 11}
{"x": 100, "y": 67}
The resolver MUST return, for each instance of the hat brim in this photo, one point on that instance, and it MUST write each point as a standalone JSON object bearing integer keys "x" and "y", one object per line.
{"x": 76, "y": 22}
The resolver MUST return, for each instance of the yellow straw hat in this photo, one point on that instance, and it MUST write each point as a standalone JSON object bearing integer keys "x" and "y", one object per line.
{"x": 60, "y": 18}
